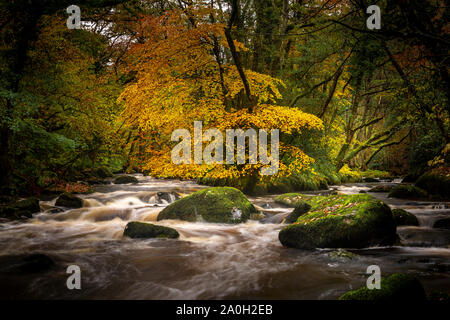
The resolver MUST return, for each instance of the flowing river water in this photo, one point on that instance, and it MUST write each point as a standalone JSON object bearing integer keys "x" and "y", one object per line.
{"x": 209, "y": 261}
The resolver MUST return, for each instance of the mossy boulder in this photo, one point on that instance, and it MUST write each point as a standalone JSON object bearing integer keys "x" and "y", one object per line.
{"x": 341, "y": 221}
{"x": 404, "y": 218}
{"x": 125, "y": 180}
{"x": 407, "y": 192}
{"x": 22, "y": 209}
{"x": 291, "y": 199}
{"x": 217, "y": 204}
{"x": 141, "y": 230}
{"x": 301, "y": 208}
{"x": 69, "y": 200}
{"x": 398, "y": 286}
{"x": 435, "y": 184}
{"x": 442, "y": 224}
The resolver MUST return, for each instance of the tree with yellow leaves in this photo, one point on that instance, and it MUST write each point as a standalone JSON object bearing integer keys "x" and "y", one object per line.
{"x": 184, "y": 73}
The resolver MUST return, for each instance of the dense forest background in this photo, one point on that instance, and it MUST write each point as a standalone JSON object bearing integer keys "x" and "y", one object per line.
{"x": 77, "y": 104}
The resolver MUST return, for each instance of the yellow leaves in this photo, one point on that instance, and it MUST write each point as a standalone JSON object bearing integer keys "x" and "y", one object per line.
{"x": 179, "y": 81}
{"x": 287, "y": 120}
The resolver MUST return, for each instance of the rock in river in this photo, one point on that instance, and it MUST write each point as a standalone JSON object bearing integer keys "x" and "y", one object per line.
{"x": 219, "y": 204}
{"x": 404, "y": 218}
{"x": 141, "y": 230}
{"x": 69, "y": 200}
{"x": 125, "y": 180}
{"x": 407, "y": 192}
{"x": 341, "y": 221}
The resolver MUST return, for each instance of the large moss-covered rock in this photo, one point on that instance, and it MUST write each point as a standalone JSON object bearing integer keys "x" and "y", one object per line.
{"x": 69, "y": 200}
{"x": 404, "y": 218}
{"x": 301, "y": 208}
{"x": 21, "y": 209}
{"x": 142, "y": 230}
{"x": 291, "y": 199}
{"x": 398, "y": 286}
{"x": 218, "y": 204}
{"x": 407, "y": 192}
{"x": 341, "y": 221}
{"x": 435, "y": 184}
{"x": 125, "y": 180}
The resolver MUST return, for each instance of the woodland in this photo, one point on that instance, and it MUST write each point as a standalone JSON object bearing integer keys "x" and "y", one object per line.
{"x": 350, "y": 103}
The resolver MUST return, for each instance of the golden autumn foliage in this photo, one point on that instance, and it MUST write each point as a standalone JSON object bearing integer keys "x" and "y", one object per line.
{"x": 179, "y": 80}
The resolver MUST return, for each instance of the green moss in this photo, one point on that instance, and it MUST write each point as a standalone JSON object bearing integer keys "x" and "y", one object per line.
{"x": 219, "y": 205}
{"x": 125, "y": 180}
{"x": 136, "y": 229}
{"x": 301, "y": 208}
{"x": 407, "y": 192}
{"x": 398, "y": 286}
{"x": 404, "y": 218}
{"x": 435, "y": 184}
{"x": 68, "y": 200}
{"x": 102, "y": 172}
{"x": 339, "y": 221}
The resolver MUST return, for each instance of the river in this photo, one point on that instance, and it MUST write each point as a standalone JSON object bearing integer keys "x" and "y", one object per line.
{"x": 209, "y": 261}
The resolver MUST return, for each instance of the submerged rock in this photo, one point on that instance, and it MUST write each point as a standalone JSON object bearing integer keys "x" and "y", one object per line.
{"x": 398, "y": 286}
{"x": 22, "y": 209}
{"x": 437, "y": 296}
{"x": 341, "y": 221}
{"x": 442, "y": 224}
{"x": 301, "y": 208}
{"x": 258, "y": 216}
{"x": 218, "y": 204}
{"x": 407, "y": 192}
{"x": 19, "y": 264}
{"x": 69, "y": 200}
{"x": 141, "y": 230}
{"x": 404, "y": 218}
{"x": 125, "y": 180}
